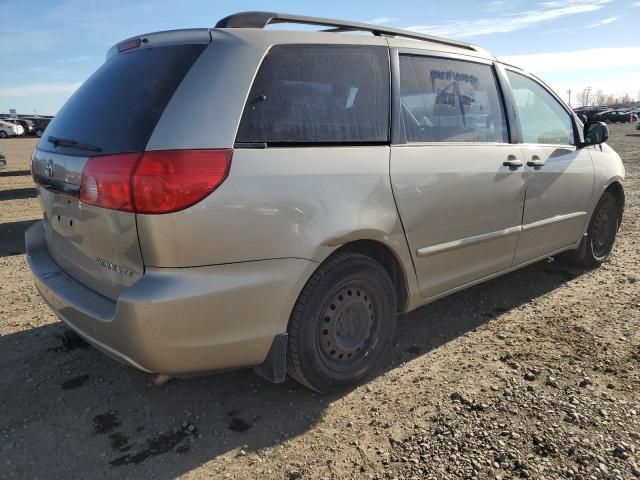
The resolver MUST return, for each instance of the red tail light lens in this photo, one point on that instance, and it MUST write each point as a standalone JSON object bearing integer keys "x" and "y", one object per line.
{"x": 171, "y": 180}
{"x": 153, "y": 182}
{"x": 106, "y": 181}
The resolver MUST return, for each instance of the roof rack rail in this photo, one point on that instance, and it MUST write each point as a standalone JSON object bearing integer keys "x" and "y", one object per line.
{"x": 262, "y": 19}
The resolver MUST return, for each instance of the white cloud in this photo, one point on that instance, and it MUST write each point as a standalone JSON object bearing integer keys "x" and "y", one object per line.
{"x": 598, "y": 68}
{"x": 636, "y": 4}
{"x": 577, "y": 60}
{"x": 13, "y": 40}
{"x": 79, "y": 58}
{"x": 497, "y": 5}
{"x": 380, "y": 20}
{"x": 550, "y": 10}
{"x": 39, "y": 89}
{"x": 604, "y": 21}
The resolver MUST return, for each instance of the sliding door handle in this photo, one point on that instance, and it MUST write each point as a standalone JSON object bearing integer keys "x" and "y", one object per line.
{"x": 512, "y": 162}
{"x": 535, "y": 162}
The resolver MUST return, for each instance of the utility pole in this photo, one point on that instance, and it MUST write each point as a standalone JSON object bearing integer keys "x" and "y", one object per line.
{"x": 569, "y": 92}
{"x": 588, "y": 92}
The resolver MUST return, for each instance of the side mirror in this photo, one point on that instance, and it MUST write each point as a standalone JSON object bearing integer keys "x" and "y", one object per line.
{"x": 595, "y": 133}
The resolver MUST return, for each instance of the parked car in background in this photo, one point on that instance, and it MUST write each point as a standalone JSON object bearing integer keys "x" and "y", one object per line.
{"x": 10, "y": 129}
{"x": 342, "y": 180}
{"x": 40, "y": 124}
{"x": 27, "y": 125}
{"x": 589, "y": 112}
{"x": 611, "y": 116}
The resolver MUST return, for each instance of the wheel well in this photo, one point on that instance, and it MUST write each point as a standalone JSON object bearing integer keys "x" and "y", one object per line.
{"x": 385, "y": 257}
{"x": 617, "y": 191}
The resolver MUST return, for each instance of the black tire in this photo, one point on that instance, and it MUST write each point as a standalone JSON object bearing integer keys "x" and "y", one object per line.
{"x": 3, "y": 134}
{"x": 596, "y": 246}
{"x": 343, "y": 321}
{"x": 39, "y": 132}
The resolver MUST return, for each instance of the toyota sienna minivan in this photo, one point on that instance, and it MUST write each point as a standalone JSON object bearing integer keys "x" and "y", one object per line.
{"x": 332, "y": 181}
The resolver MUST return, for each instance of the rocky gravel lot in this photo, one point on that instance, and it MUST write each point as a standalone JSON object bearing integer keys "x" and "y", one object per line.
{"x": 532, "y": 375}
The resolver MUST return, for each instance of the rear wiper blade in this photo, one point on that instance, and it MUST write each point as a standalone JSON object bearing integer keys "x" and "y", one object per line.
{"x": 64, "y": 142}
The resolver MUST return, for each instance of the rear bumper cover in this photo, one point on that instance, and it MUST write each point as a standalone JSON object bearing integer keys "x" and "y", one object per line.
{"x": 177, "y": 320}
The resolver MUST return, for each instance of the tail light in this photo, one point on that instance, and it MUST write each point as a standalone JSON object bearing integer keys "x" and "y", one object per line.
{"x": 106, "y": 181}
{"x": 156, "y": 182}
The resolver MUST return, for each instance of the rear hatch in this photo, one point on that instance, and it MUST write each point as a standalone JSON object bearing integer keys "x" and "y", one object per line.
{"x": 113, "y": 113}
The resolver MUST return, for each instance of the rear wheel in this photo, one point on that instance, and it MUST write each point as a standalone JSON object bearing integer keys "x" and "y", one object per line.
{"x": 601, "y": 234}
{"x": 39, "y": 132}
{"x": 342, "y": 322}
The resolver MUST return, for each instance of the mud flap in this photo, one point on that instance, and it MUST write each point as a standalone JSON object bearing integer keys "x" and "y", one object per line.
{"x": 582, "y": 249}
{"x": 274, "y": 367}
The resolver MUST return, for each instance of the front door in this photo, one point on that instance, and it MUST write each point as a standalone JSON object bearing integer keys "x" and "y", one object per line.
{"x": 457, "y": 182}
{"x": 560, "y": 176}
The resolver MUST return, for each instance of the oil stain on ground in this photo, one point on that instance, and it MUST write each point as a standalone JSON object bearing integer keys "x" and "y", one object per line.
{"x": 119, "y": 442}
{"x": 105, "y": 423}
{"x": 237, "y": 424}
{"x": 157, "y": 445}
{"x": 75, "y": 382}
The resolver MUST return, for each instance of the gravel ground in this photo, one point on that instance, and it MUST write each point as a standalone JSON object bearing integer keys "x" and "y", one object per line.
{"x": 532, "y": 375}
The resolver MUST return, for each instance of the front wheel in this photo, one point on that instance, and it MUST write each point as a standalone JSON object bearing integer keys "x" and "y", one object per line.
{"x": 342, "y": 322}
{"x": 596, "y": 246}
{"x": 3, "y": 134}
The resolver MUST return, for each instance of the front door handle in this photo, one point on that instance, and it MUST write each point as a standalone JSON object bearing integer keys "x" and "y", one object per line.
{"x": 535, "y": 162}
{"x": 512, "y": 162}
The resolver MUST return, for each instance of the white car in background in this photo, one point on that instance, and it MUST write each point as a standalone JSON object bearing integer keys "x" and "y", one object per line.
{"x": 8, "y": 129}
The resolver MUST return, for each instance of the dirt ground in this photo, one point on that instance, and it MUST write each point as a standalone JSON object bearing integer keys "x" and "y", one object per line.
{"x": 533, "y": 375}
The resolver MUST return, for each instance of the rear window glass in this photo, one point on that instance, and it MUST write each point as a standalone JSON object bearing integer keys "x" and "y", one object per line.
{"x": 319, "y": 94}
{"x": 118, "y": 107}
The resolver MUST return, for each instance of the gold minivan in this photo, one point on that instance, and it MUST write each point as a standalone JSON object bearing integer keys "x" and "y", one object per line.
{"x": 250, "y": 197}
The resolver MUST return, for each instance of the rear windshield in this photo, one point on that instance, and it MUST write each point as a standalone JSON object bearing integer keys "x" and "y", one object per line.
{"x": 307, "y": 94}
{"x": 118, "y": 107}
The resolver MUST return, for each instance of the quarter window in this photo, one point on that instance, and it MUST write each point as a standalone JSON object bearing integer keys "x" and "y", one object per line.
{"x": 542, "y": 117}
{"x": 319, "y": 94}
{"x": 445, "y": 100}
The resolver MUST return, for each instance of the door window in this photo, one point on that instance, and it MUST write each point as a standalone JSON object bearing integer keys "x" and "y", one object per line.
{"x": 446, "y": 100}
{"x": 542, "y": 117}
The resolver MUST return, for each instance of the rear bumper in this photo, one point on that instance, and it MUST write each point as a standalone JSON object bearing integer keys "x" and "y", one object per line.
{"x": 177, "y": 320}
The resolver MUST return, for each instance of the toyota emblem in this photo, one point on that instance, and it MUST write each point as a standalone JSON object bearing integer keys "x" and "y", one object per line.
{"x": 48, "y": 170}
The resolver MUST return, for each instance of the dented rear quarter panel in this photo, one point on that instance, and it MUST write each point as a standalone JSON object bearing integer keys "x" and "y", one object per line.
{"x": 283, "y": 203}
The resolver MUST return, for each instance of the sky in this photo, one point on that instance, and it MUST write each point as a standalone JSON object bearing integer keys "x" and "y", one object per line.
{"x": 49, "y": 47}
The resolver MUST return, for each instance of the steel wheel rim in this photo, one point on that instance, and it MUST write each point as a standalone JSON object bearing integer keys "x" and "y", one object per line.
{"x": 348, "y": 327}
{"x": 603, "y": 233}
